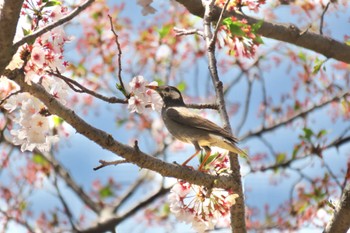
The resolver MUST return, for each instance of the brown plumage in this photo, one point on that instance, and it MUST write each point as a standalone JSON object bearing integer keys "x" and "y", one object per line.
{"x": 188, "y": 127}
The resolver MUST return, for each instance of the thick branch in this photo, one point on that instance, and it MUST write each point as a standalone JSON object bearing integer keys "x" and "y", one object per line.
{"x": 326, "y": 46}
{"x": 106, "y": 141}
{"x": 340, "y": 222}
{"x": 9, "y": 14}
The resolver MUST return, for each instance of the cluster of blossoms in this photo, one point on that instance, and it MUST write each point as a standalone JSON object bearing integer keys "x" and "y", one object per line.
{"x": 141, "y": 96}
{"x": 241, "y": 38}
{"x": 203, "y": 208}
{"x": 45, "y": 54}
{"x": 34, "y": 129}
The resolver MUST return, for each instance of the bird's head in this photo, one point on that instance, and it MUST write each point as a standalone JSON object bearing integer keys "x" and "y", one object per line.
{"x": 170, "y": 95}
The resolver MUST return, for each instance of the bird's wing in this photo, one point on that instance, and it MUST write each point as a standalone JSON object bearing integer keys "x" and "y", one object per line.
{"x": 185, "y": 117}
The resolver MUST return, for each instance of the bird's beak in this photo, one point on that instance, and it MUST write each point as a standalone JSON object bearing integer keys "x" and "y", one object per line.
{"x": 156, "y": 88}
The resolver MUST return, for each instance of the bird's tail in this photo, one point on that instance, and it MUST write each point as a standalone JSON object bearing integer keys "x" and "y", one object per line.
{"x": 235, "y": 149}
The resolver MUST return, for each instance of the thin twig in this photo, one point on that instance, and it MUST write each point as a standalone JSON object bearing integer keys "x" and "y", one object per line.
{"x": 109, "y": 163}
{"x": 265, "y": 129}
{"x": 128, "y": 193}
{"x": 203, "y": 106}
{"x": 20, "y": 222}
{"x": 53, "y": 25}
{"x": 7, "y": 97}
{"x": 119, "y": 56}
{"x": 246, "y": 107}
{"x": 264, "y": 96}
{"x": 336, "y": 143}
{"x": 181, "y": 32}
{"x": 331, "y": 173}
{"x": 77, "y": 87}
{"x": 322, "y": 17}
{"x": 218, "y": 24}
{"x": 268, "y": 145}
{"x": 65, "y": 205}
{"x": 70, "y": 182}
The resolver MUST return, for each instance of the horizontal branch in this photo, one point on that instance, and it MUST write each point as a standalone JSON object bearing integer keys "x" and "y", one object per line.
{"x": 111, "y": 223}
{"x": 77, "y": 87}
{"x": 289, "y": 33}
{"x": 335, "y": 143}
{"x": 53, "y": 25}
{"x": 203, "y": 106}
{"x": 302, "y": 113}
{"x": 106, "y": 141}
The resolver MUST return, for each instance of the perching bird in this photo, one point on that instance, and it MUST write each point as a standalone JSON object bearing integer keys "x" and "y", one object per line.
{"x": 188, "y": 127}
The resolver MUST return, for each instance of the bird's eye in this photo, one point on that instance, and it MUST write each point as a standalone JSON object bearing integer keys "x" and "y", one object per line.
{"x": 167, "y": 89}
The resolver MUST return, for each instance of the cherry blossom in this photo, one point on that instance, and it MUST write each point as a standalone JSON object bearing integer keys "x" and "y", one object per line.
{"x": 34, "y": 129}
{"x": 199, "y": 206}
{"x": 142, "y": 97}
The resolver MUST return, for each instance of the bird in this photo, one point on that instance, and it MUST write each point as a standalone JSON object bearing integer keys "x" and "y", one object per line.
{"x": 189, "y": 127}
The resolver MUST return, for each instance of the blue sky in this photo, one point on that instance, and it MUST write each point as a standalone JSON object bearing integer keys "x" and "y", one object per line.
{"x": 80, "y": 155}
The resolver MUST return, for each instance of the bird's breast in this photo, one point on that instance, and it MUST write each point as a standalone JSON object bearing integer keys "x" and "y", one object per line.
{"x": 184, "y": 132}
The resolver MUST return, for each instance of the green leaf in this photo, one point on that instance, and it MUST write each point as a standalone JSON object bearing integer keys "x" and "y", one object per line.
{"x": 159, "y": 81}
{"x": 296, "y": 150}
{"x": 39, "y": 159}
{"x": 212, "y": 157}
{"x": 280, "y": 158}
{"x": 121, "y": 89}
{"x": 303, "y": 208}
{"x": 347, "y": 42}
{"x": 258, "y": 39}
{"x": 321, "y": 133}
{"x": 52, "y": 3}
{"x": 121, "y": 122}
{"x": 257, "y": 26}
{"x": 26, "y": 31}
{"x": 308, "y": 133}
{"x": 57, "y": 121}
{"x": 181, "y": 86}
{"x": 297, "y": 105}
{"x": 302, "y": 56}
{"x": 23, "y": 205}
{"x": 166, "y": 209}
{"x": 318, "y": 65}
{"x": 235, "y": 27}
{"x": 164, "y": 31}
{"x": 106, "y": 192}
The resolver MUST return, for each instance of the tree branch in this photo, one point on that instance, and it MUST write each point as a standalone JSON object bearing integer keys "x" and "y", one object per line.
{"x": 114, "y": 221}
{"x": 302, "y": 113}
{"x": 326, "y": 46}
{"x": 53, "y": 25}
{"x": 77, "y": 87}
{"x": 9, "y": 15}
{"x": 106, "y": 141}
{"x": 322, "y": 17}
{"x": 238, "y": 210}
{"x": 340, "y": 223}
{"x": 63, "y": 173}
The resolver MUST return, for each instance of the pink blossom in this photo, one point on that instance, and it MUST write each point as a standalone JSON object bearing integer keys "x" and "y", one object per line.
{"x": 135, "y": 104}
